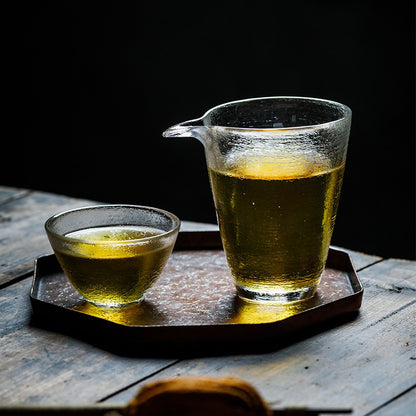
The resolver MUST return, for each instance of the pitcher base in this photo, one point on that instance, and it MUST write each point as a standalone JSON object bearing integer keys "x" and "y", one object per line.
{"x": 276, "y": 297}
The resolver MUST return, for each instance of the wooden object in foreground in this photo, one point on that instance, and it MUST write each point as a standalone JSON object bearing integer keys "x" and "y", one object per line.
{"x": 198, "y": 395}
{"x": 183, "y": 396}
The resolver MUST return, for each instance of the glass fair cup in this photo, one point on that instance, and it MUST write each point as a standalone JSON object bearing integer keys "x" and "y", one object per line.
{"x": 276, "y": 166}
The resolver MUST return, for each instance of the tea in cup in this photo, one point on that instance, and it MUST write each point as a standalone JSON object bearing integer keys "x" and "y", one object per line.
{"x": 112, "y": 254}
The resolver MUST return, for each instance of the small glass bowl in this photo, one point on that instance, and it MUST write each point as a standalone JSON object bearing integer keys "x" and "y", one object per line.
{"x": 112, "y": 254}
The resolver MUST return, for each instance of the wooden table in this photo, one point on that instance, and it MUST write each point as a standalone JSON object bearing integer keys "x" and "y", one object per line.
{"x": 367, "y": 364}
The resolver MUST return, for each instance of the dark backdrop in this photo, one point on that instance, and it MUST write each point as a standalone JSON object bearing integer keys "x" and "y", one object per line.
{"x": 98, "y": 82}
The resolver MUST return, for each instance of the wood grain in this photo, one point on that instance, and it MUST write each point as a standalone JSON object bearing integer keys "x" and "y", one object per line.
{"x": 8, "y": 194}
{"x": 404, "y": 405}
{"x": 22, "y": 235}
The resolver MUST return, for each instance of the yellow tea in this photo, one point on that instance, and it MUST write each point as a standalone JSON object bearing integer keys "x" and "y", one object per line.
{"x": 114, "y": 265}
{"x": 276, "y": 220}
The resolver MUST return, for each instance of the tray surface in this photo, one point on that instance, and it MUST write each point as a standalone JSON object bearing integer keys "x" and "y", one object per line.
{"x": 196, "y": 290}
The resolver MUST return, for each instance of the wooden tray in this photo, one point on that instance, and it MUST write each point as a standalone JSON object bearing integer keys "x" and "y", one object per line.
{"x": 194, "y": 301}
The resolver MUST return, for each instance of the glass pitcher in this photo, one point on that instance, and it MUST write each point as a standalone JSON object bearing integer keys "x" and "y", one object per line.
{"x": 276, "y": 166}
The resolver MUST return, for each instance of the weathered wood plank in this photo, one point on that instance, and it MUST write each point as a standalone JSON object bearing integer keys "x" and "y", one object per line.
{"x": 393, "y": 275}
{"x": 7, "y": 194}
{"x": 22, "y": 237}
{"x": 361, "y": 364}
{"x": 39, "y": 366}
{"x": 360, "y": 260}
{"x": 405, "y": 405}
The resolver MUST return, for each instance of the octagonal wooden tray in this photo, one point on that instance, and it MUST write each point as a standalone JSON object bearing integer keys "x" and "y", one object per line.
{"x": 193, "y": 302}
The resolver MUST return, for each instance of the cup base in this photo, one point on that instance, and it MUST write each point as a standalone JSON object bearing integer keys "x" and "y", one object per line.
{"x": 276, "y": 297}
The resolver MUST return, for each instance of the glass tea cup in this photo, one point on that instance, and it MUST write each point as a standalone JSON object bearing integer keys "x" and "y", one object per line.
{"x": 112, "y": 254}
{"x": 276, "y": 166}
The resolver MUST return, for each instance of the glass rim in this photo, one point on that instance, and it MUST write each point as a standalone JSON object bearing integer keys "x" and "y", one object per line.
{"x": 173, "y": 217}
{"x": 346, "y": 113}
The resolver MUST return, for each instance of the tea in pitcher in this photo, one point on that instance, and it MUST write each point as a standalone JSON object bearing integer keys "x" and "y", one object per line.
{"x": 276, "y": 220}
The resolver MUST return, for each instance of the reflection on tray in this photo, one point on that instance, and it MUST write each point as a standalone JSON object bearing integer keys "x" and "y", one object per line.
{"x": 240, "y": 311}
{"x": 257, "y": 313}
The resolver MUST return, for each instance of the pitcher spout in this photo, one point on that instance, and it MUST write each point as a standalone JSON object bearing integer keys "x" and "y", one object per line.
{"x": 191, "y": 128}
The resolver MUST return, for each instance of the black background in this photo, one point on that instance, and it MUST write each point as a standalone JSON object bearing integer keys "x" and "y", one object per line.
{"x": 95, "y": 84}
